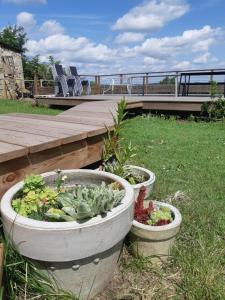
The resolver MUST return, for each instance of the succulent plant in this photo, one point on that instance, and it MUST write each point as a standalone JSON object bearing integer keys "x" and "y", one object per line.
{"x": 35, "y": 198}
{"x": 160, "y": 216}
{"x": 87, "y": 201}
{"x": 124, "y": 171}
{"x": 33, "y": 182}
{"x": 153, "y": 214}
{"x": 41, "y": 202}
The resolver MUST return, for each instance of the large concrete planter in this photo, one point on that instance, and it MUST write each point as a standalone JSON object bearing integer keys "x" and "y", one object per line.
{"x": 81, "y": 256}
{"x": 149, "y": 183}
{"x": 156, "y": 241}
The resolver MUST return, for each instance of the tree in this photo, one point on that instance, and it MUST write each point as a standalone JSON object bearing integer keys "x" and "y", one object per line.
{"x": 52, "y": 60}
{"x": 213, "y": 89}
{"x": 168, "y": 80}
{"x": 14, "y": 36}
{"x": 33, "y": 66}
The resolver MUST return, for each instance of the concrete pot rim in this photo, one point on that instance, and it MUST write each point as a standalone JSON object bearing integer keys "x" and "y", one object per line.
{"x": 148, "y": 182}
{"x": 175, "y": 223}
{"x": 9, "y": 212}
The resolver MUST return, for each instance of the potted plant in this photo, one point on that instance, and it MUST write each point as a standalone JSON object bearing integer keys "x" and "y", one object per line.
{"x": 116, "y": 156}
{"x": 73, "y": 229}
{"x": 154, "y": 228}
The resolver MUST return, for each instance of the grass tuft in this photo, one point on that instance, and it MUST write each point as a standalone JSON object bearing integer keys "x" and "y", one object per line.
{"x": 18, "y": 106}
{"x": 189, "y": 157}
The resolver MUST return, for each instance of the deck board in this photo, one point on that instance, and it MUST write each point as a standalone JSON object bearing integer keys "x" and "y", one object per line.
{"x": 74, "y": 117}
{"x": 73, "y": 139}
{"x": 132, "y": 100}
{"x": 10, "y": 151}
{"x": 54, "y": 125}
{"x": 33, "y": 142}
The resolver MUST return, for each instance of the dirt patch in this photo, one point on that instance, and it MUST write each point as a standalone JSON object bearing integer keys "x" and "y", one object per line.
{"x": 139, "y": 279}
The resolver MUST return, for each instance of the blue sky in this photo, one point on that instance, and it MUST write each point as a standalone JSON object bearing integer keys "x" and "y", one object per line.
{"x": 122, "y": 35}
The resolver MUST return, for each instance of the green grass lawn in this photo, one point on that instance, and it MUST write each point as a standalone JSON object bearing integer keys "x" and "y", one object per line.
{"x": 18, "y": 106}
{"x": 189, "y": 157}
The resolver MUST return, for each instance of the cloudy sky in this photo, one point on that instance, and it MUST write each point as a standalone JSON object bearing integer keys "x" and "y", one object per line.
{"x": 110, "y": 36}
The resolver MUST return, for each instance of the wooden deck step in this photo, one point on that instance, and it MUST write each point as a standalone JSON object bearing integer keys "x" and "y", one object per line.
{"x": 71, "y": 118}
{"x": 61, "y": 123}
{"x": 33, "y": 142}
{"x": 9, "y": 151}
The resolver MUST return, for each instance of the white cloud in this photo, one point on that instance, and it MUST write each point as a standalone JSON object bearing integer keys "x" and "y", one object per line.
{"x": 151, "y": 15}
{"x": 68, "y": 49}
{"x": 182, "y": 65}
{"x": 129, "y": 37}
{"x": 197, "y": 40}
{"x": 26, "y": 20}
{"x": 154, "y": 54}
{"x": 153, "y": 61}
{"x": 204, "y": 58}
{"x": 23, "y": 2}
{"x": 51, "y": 27}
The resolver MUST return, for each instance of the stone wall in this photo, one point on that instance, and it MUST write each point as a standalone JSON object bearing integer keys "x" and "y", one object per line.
{"x": 10, "y": 81}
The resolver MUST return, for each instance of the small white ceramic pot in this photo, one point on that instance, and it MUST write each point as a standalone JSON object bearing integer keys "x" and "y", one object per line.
{"x": 156, "y": 241}
{"x": 148, "y": 183}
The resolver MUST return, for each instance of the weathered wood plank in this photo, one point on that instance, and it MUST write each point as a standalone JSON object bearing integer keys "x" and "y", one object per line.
{"x": 177, "y": 106}
{"x": 33, "y": 142}
{"x": 9, "y": 151}
{"x": 73, "y": 118}
{"x": 85, "y": 120}
{"x": 97, "y": 107}
{"x": 60, "y": 133}
{"x": 89, "y": 113}
{"x": 64, "y": 126}
{"x": 73, "y": 155}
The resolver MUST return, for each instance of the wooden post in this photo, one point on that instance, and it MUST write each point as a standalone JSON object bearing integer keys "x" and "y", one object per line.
{"x": 97, "y": 85}
{"x": 121, "y": 83}
{"x": 4, "y": 90}
{"x": 36, "y": 84}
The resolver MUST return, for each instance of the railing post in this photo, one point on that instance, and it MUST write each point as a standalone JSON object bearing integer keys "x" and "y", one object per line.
{"x": 121, "y": 83}
{"x": 176, "y": 85}
{"x": 143, "y": 86}
{"x": 97, "y": 84}
{"x": 211, "y": 76}
{"x": 36, "y": 84}
{"x": 146, "y": 83}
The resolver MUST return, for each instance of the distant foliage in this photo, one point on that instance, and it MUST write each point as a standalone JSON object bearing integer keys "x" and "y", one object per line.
{"x": 15, "y": 37}
{"x": 213, "y": 89}
{"x": 32, "y": 66}
{"x": 168, "y": 80}
{"x": 214, "y": 110}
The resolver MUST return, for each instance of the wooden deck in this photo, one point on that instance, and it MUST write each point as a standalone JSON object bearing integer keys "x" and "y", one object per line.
{"x": 39, "y": 143}
{"x": 73, "y": 139}
{"x": 164, "y": 103}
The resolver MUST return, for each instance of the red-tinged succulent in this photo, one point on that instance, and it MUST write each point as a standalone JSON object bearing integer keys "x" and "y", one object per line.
{"x": 150, "y": 215}
{"x": 141, "y": 214}
{"x": 162, "y": 222}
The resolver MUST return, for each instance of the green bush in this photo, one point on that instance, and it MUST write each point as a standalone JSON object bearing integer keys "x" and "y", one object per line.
{"x": 214, "y": 110}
